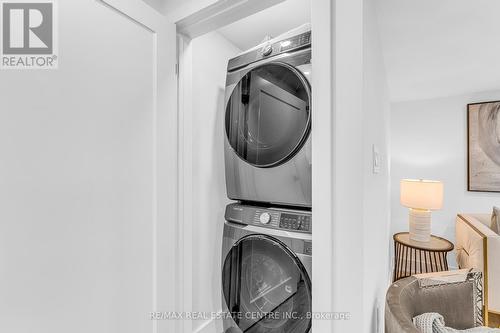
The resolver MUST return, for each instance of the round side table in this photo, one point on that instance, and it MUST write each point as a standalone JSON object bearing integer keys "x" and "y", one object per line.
{"x": 412, "y": 257}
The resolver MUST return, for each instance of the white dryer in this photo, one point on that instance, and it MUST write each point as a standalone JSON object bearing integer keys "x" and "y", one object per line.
{"x": 268, "y": 122}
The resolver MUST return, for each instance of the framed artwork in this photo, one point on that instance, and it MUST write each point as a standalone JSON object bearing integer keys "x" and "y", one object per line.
{"x": 483, "y": 132}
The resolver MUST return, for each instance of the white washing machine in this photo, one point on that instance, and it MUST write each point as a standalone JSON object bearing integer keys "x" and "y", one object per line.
{"x": 268, "y": 122}
{"x": 266, "y": 270}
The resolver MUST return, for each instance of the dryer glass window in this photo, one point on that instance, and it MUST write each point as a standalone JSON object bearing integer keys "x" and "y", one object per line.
{"x": 268, "y": 114}
{"x": 266, "y": 288}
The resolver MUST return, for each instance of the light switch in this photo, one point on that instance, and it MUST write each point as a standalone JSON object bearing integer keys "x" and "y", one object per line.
{"x": 376, "y": 159}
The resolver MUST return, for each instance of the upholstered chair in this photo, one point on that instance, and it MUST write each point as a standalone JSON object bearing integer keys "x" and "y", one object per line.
{"x": 458, "y": 301}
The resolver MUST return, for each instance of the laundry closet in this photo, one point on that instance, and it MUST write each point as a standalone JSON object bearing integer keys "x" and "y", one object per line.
{"x": 205, "y": 135}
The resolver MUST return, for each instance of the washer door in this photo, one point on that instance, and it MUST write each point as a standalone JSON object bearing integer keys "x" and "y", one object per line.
{"x": 268, "y": 114}
{"x": 266, "y": 287}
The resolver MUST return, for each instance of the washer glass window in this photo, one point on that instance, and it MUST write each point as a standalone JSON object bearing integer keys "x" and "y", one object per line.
{"x": 266, "y": 287}
{"x": 268, "y": 114}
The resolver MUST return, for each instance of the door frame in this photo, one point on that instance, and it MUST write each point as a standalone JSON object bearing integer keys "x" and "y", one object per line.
{"x": 223, "y": 12}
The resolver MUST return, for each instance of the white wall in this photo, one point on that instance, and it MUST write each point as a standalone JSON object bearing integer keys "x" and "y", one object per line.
{"x": 376, "y": 110}
{"x": 430, "y": 58}
{"x": 347, "y": 166}
{"x": 210, "y": 54}
{"x": 429, "y": 140}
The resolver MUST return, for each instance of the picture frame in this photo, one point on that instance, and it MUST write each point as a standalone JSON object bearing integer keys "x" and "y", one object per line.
{"x": 483, "y": 146}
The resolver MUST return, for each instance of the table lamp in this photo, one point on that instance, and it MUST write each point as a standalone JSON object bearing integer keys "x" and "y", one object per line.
{"x": 421, "y": 196}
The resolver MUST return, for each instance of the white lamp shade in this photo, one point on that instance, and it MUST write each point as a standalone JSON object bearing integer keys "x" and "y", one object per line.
{"x": 421, "y": 194}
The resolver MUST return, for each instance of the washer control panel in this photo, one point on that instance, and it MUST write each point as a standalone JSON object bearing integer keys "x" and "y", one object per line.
{"x": 295, "y": 222}
{"x": 275, "y": 218}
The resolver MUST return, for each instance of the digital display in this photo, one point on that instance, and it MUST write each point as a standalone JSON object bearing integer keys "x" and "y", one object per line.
{"x": 295, "y": 222}
{"x": 296, "y": 41}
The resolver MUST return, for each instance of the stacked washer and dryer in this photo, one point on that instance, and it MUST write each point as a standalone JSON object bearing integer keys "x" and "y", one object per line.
{"x": 267, "y": 243}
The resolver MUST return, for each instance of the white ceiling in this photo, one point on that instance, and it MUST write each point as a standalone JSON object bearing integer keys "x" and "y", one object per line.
{"x": 177, "y": 9}
{"x": 156, "y": 4}
{"x": 273, "y": 21}
{"x": 165, "y": 6}
{"x": 440, "y": 48}
{"x": 250, "y": 31}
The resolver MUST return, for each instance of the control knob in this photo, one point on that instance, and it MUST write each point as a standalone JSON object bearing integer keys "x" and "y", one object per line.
{"x": 267, "y": 50}
{"x": 265, "y": 218}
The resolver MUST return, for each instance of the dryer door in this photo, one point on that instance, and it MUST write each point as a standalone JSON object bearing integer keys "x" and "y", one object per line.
{"x": 266, "y": 287}
{"x": 268, "y": 114}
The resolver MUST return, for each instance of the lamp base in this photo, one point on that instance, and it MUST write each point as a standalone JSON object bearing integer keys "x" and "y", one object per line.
{"x": 420, "y": 225}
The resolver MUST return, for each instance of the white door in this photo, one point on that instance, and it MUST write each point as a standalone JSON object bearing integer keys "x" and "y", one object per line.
{"x": 88, "y": 174}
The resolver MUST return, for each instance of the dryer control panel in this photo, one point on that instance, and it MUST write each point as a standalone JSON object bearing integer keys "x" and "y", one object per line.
{"x": 274, "y": 218}
{"x": 270, "y": 49}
